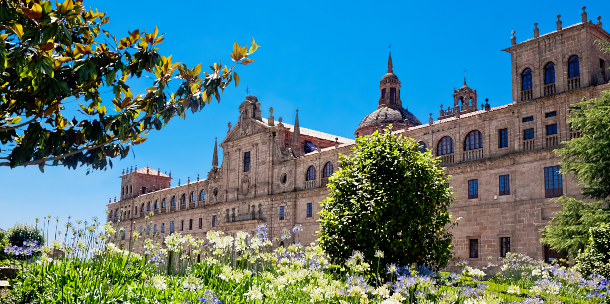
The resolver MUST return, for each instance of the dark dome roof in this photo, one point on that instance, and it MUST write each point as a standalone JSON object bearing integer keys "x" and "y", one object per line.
{"x": 389, "y": 77}
{"x": 389, "y": 115}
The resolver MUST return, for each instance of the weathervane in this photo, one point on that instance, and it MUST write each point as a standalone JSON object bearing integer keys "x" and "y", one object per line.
{"x": 390, "y": 47}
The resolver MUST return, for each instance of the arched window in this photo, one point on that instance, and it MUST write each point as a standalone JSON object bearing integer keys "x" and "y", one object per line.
{"x": 526, "y": 79}
{"x": 149, "y": 207}
{"x": 283, "y": 178}
{"x": 116, "y": 212}
{"x": 192, "y": 197}
{"x": 183, "y": 201}
{"x": 156, "y": 204}
{"x": 164, "y": 203}
{"x": 202, "y": 195}
{"x": 474, "y": 140}
{"x": 311, "y": 173}
{"x": 573, "y": 67}
{"x": 421, "y": 147}
{"x": 142, "y": 208}
{"x": 215, "y": 192}
{"x": 328, "y": 170}
{"x": 445, "y": 146}
{"x": 549, "y": 73}
{"x": 174, "y": 201}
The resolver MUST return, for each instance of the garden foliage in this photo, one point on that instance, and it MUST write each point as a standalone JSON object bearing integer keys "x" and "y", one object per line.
{"x": 243, "y": 268}
{"x": 53, "y": 54}
{"x": 595, "y": 259}
{"x": 387, "y": 196}
{"x": 21, "y": 233}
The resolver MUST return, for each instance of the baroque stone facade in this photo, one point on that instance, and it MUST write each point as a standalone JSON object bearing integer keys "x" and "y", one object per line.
{"x": 501, "y": 159}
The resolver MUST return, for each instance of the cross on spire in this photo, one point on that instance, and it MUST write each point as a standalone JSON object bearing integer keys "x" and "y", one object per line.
{"x": 390, "y": 48}
{"x": 247, "y": 90}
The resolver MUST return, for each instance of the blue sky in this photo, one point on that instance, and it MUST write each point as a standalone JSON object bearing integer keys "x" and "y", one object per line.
{"x": 324, "y": 58}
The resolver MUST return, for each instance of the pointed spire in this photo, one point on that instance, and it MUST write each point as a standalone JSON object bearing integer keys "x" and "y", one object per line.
{"x": 215, "y": 157}
{"x": 296, "y": 135}
{"x": 464, "y": 80}
{"x": 390, "y": 66}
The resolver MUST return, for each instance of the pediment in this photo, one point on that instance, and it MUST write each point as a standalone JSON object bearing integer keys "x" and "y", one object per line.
{"x": 244, "y": 128}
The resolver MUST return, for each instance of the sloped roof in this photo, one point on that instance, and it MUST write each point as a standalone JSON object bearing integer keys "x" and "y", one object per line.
{"x": 462, "y": 116}
{"x": 151, "y": 171}
{"x": 314, "y": 133}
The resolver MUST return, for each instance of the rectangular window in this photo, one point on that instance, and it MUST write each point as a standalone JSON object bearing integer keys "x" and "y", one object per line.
{"x": 528, "y": 134}
{"x": 473, "y": 188}
{"x": 383, "y": 93}
{"x": 247, "y": 161}
{"x": 504, "y": 246}
{"x": 550, "y": 114}
{"x": 309, "y": 209}
{"x": 143, "y": 190}
{"x": 162, "y": 227}
{"x": 123, "y": 235}
{"x": 504, "y": 186}
{"x": 392, "y": 95}
{"x": 182, "y": 225}
{"x": 200, "y": 223}
{"x": 551, "y": 129}
{"x": 155, "y": 229}
{"x": 281, "y": 213}
{"x": 553, "y": 184}
{"x": 191, "y": 224}
{"x": 171, "y": 227}
{"x": 474, "y": 248}
{"x": 529, "y": 118}
{"x": 213, "y": 221}
{"x": 147, "y": 229}
{"x": 503, "y": 138}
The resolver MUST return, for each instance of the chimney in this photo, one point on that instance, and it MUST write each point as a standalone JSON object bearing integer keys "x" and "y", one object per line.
{"x": 559, "y": 27}
{"x": 536, "y": 31}
{"x": 584, "y": 14}
{"x": 513, "y": 39}
{"x": 188, "y": 181}
{"x": 178, "y": 182}
{"x": 197, "y": 176}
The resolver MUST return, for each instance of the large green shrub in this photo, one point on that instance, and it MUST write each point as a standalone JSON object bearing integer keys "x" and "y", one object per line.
{"x": 20, "y": 233}
{"x": 595, "y": 259}
{"x": 3, "y": 244}
{"x": 387, "y": 196}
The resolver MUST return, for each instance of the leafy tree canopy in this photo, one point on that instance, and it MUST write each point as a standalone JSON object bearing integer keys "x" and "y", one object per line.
{"x": 595, "y": 259}
{"x": 387, "y": 196}
{"x": 57, "y": 55}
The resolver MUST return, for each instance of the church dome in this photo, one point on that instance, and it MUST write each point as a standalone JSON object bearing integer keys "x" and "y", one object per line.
{"x": 384, "y": 116}
{"x": 389, "y": 110}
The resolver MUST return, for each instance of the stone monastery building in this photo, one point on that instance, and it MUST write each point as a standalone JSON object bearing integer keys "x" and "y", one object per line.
{"x": 504, "y": 171}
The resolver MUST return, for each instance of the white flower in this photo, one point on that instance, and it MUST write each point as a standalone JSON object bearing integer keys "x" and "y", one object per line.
{"x": 514, "y": 289}
{"x": 473, "y": 272}
{"x": 254, "y": 293}
{"x": 382, "y": 291}
{"x": 536, "y": 290}
{"x": 536, "y": 272}
{"x": 157, "y": 282}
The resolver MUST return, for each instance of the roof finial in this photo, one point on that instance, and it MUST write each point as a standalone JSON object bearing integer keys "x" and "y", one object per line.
{"x": 583, "y": 15}
{"x": 390, "y": 67}
{"x": 465, "y": 77}
{"x": 215, "y": 157}
{"x": 247, "y": 91}
{"x": 295, "y": 143}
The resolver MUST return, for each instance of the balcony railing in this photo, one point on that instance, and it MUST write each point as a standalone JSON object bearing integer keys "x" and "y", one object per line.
{"x": 310, "y": 184}
{"x": 163, "y": 210}
{"x": 447, "y": 159}
{"x": 552, "y": 141}
{"x": 575, "y": 134}
{"x": 192, "y": 205}
{"x": 549, "y": 89}
{"x": 172, "y": 208}
{"x": 526, "y": 95}
{"x": 573, "y": 83}
{"x": 528, "y": 145}
{"x": 471, "y": 155}
{"x": 324, "y": 181}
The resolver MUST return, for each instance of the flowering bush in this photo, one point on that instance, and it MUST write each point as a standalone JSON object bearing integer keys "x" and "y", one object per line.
{"x": 245, "y": 268}
{"x": 595, "y": 259}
